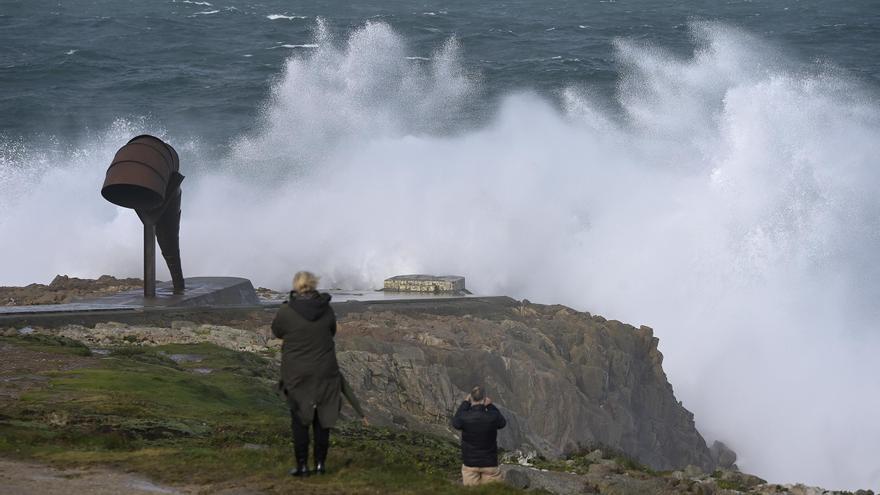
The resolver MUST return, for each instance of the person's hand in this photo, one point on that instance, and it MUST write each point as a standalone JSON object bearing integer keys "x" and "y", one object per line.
{"x": 468, "y": 398}
{"x": 364, "y": 421}
{"x": 487, "y": 401}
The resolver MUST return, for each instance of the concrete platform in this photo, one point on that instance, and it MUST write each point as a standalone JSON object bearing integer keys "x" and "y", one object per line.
{"x": 200, "y": 291}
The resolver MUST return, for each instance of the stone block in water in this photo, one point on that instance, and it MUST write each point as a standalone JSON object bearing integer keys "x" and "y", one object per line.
{"x": 426, "y": 283}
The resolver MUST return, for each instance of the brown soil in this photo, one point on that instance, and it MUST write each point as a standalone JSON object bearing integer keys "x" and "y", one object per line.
{"x": 64, "y": 289}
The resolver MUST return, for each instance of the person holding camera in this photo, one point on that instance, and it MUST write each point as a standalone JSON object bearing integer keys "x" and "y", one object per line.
{"x": 479, "y": 421}
{"x": 310, "y": 377}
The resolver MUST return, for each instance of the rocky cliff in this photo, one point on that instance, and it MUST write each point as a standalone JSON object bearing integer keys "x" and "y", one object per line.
{"x": 566, "y": 380}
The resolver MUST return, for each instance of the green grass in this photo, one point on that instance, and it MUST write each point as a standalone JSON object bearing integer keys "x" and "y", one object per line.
{"x": 49, "y": 343}
{"x": 139, "y": 410}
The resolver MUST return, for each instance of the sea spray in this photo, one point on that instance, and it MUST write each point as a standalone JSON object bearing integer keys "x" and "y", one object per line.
{"x": 726, "y": 199}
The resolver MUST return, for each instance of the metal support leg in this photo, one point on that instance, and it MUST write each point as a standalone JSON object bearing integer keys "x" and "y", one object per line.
{"x": 149, "y": 260}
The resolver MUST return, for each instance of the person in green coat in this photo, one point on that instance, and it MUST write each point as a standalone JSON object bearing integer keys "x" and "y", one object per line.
{"x": 310, "y": 377}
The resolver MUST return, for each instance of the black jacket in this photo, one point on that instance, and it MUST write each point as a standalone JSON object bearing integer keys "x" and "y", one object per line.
{"x": 479, "y": 427}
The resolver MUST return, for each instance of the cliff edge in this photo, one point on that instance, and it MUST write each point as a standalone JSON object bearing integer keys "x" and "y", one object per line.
{"x": 566, "y": 380}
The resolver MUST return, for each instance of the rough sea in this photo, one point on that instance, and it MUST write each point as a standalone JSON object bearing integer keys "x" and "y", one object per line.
{"x": 707, "y": 168}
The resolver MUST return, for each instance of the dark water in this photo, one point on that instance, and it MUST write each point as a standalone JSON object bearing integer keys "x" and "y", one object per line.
{"x": 202, "y": 69}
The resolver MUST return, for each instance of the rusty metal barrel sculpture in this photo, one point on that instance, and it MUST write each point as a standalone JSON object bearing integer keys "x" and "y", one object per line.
{"x": 145, "y": 176}
{"x": 140, "y": 174}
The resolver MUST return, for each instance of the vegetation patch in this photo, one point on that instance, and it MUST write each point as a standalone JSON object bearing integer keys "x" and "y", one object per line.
{"x": 202, "y": 414}
{"x": 48, "y": 343}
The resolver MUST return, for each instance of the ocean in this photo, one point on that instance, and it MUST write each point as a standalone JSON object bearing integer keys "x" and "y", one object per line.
{"x": 706, "y": 168}
{"x": 203, "y": 69}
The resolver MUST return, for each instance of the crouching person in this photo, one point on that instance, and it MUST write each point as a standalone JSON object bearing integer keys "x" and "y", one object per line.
{"x": 479, "y": 422}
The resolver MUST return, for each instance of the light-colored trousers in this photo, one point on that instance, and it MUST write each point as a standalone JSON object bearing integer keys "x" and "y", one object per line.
{"x": 479, "y": 475}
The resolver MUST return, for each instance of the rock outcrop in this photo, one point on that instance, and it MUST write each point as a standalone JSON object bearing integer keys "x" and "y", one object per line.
{"x": 65, "y": 289}
{"x": 566, "y": 380}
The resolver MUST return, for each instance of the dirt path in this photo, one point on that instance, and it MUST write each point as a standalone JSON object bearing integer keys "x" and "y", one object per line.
{"x": 26, "y": 478}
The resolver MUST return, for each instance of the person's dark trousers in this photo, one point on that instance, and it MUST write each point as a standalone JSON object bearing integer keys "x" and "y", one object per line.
{"x": 301, "y": 439}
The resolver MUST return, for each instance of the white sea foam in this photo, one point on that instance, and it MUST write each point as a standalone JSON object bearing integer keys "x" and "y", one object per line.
{"x": 732, "y": 207}
{"x": 206, "y": 4}
{"x": 207, "y": 12}
{"x": 306, "y": 45}
{"x": 274, "y": 17}
{"x": 70, "y": 52}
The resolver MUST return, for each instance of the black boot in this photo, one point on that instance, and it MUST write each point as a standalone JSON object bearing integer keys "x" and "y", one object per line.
{"x": 322, "y": 444}
{"x": 302, "y": 469}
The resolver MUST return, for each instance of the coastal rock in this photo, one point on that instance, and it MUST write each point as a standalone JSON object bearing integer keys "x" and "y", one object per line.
{"x": 739, "y": 479}
{"x": 566, "y": 381}
{"x": 553, "y": 482}
{"x": 65, "y": 289}
{"x": 722, "y": 455}
{"x": 181, "y": 332}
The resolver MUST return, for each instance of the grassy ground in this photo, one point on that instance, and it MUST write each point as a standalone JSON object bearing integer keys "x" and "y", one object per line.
{"x": 150, "y": 411}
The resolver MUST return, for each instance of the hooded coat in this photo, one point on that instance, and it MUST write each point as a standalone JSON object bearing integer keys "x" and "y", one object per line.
{"x": 310, "y": 377}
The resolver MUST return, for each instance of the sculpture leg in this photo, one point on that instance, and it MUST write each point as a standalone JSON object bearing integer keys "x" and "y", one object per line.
{"x": 176, "y": 274}
{"x": 149, "y": 260}
{"x": 168, "y": 235}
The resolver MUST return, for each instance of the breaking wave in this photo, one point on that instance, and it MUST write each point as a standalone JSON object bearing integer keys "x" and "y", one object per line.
{"x": 726, "y": 199}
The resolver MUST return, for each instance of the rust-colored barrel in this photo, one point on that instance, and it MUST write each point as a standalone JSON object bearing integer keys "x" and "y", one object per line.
{"x": 140, "y": 173}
